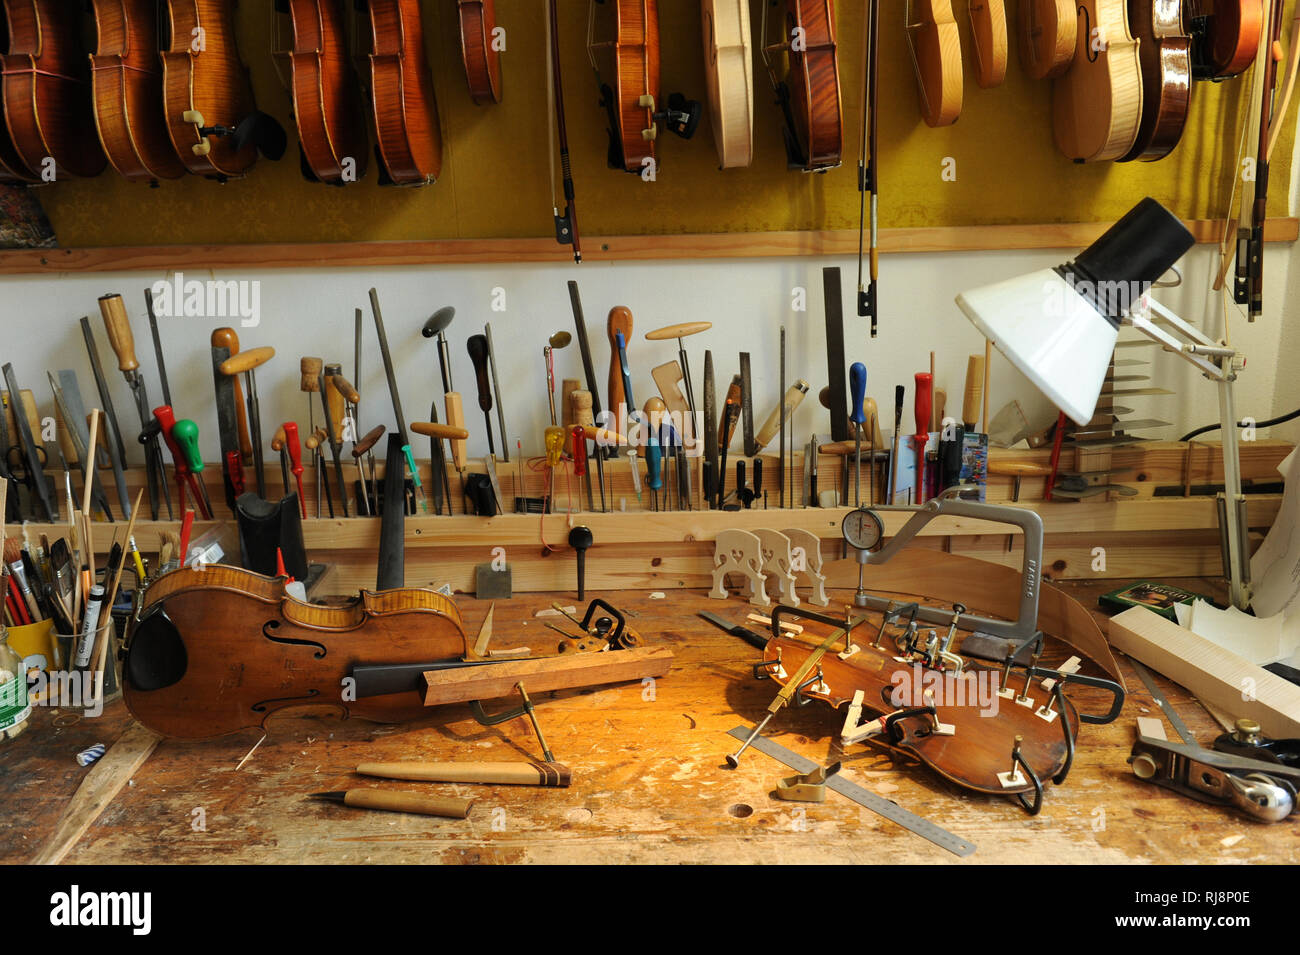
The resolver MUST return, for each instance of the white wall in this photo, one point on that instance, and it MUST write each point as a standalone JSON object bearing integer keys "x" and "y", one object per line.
{"x": 311, "y": 312}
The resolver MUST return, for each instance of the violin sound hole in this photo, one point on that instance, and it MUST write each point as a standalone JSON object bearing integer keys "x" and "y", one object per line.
{"x": 269, "y": 631}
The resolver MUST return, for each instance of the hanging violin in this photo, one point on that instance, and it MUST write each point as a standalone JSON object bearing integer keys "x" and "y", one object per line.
{"x": 936, "y": 58}
{"x": 623, "y": 46}
{"x": 215, "y": 126}
{"x": 809, "y": 94}
{"x": 127, "y": 85}
{"x": 478, "y": 39}
{"x": 401, "y": 92}
{"x": 46, "y": 92}
{"x": 327, "y": 103}
{"x": 730, "y": 72}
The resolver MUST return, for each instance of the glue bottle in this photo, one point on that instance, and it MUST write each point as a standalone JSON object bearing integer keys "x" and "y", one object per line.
{"x": 15, "y": 708}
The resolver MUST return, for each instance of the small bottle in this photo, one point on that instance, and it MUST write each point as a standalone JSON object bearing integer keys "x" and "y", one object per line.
{"x": 14, "y": 705}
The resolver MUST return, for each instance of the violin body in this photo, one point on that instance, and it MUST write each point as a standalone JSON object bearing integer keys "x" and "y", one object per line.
{"x": 728, "y": 64}
{"x": 327, "y": 103}
{"x": 482, "y": 61}
{"x": 127, "y": 86}
{"x": 1225, "y": 35}
{"x": 937, "y": 47}
{"x": 980, "y": 746}
{"x": 815, "y": 83}
{"x": 1097, "y": 103}
{"x": 988, "y": 20}
{"x": 625, "y": 46}
{"x": 1165, "y": 53}
{"x": 218, "y": 650}
{"x": 206, "y": 85}
{"x": 1049, "y": 31}
{"x": 402, "y": 95}
{"x": 46, "y": 92}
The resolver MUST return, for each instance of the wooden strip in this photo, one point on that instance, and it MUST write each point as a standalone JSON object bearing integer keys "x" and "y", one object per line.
{"x": 334, "y": 255}
{"x": 465, "y": 684}
{"x": 104, "y": 781}
{"x": 1219, "y": 677}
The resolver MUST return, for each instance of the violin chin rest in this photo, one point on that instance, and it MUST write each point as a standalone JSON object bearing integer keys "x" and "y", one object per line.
{"x": 157, "y": 658}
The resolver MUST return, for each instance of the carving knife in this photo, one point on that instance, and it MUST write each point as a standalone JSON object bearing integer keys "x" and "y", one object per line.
{"x": 116, "y": 450}
{"x": 330, "y": 436}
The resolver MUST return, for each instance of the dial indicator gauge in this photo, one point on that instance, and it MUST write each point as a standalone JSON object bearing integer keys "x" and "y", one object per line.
{"x": 862, "y": 529}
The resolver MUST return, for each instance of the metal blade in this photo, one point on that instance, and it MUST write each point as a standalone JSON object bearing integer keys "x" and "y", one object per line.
{"x": 35, "y": 471}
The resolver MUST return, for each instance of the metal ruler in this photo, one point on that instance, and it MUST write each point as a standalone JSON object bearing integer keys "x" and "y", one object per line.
{"x": 863, "y": 797}
{"x": 1162, "y": 701}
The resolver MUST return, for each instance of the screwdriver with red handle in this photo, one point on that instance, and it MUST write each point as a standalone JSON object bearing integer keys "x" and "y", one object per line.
{"x": 921, "y": 407}
{"x": 579, "y": 436}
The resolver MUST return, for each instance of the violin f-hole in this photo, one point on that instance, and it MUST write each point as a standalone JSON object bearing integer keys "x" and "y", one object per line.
{"x": 269, "y": 631}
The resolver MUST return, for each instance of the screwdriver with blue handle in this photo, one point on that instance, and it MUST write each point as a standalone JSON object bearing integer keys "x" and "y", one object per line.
{"x": 654, "y": 410}
{"x": 858, "y": 388}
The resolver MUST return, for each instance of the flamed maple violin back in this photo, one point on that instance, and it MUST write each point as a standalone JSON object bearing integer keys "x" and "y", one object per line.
{"x": 327, "y": 104}
{"x": 815, "y": 82}
{"x": 203, "y": 75}
{"x": 625, "y": 46}
{"x": 127, "y": 87}
{"x": 46, "y": 91}
{"x": 222, "y": 649}
{"x": 402, "y": 94}
{"x": 481, "y": 58}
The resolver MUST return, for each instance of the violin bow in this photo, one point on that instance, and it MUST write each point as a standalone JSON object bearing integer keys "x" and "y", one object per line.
{"x": 566, "y": 226}
{"x": 867, "y": 167}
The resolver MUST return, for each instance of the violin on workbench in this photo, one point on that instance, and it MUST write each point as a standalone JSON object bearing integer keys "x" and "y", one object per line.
{"x": 402, "y": 95}
{"x": 215, "y": 650}
{"x": 221, "y": 649}
{"x": 127, "y": 85}
{"x": 45, "y": 85}
{"x": 1023, "y": 734}
{"x": 623, "y": 44}
{"x": 809, "y": 93}
{"x": 327, "y": 104}
{"x": 215, "y": 126}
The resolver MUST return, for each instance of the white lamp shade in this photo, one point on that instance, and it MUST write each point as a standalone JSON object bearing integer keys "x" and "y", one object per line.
{"x": 1051, "y": 333}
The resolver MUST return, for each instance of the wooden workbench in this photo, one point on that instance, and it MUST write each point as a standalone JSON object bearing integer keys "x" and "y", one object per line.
{"x": 649, "y": 782}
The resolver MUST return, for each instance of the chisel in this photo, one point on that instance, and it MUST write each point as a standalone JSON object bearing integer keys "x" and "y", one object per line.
{"x": 450, "y": 807}
{"x": 548, "y": 775}
{"x": 436, "y": 324}
{"x": 397, "y": 400}
{"x": 747, "y": 407}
